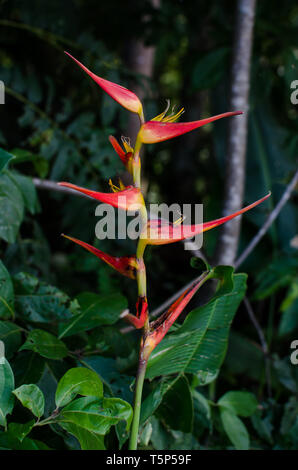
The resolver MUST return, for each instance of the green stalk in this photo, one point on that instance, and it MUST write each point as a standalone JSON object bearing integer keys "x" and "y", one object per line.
{"x": 142, "y": 292}
{"x": 133, "y": 442}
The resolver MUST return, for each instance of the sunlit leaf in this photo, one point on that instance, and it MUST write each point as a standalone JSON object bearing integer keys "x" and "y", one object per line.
{"x": 78, "y": 381}
{"x": 32, "y": 398}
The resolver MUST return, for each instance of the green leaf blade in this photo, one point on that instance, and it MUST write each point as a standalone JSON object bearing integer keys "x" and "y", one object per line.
{"x": 32, "y": 398}
{"x": 78, "y": 381}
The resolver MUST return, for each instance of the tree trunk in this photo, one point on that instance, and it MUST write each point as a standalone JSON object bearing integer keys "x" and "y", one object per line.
{"x": 141, "y": 62}
{"x": 227, "y": 245}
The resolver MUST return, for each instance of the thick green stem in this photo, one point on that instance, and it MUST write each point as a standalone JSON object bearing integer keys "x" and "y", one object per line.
{"x": 133, "y": 442}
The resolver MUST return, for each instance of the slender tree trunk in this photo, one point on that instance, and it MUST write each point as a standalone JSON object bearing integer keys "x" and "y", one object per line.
{"x": 227, "y": 246}
{"x": 141, "y": 62}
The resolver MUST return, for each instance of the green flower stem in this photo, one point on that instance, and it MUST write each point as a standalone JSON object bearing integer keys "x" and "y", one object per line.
{"x": 133, "y": 442}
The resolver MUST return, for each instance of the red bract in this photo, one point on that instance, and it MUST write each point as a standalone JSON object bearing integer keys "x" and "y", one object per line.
{"x": 126, "y": 155}
{"x": 125, "y": 265}
{"x": 156, "y": 131}
{"x": 125, "y": 97}
{"x": 129, "y": 199}
{"x": 160, "y": 232}
{"x": 141, "y": 317}
{"x": 161, "y": 326}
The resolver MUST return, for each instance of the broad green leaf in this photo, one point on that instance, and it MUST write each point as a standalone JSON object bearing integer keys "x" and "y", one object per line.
{"x": 199, "y": 345}
{"x": 28, "y": 367}
{"x": 11, "y": 208}
{"x": 225, "y": 275}
{"x": 154, "y": 399}
{"x": 6, "y": 292}
{"x": 88, "y": 440}
{"x": 118, "y": 384}
{"x": 275, "y": 276}
{"x": 286, "y": 373}
{"x": 45, "y": 344}
{"x": 10, "y": 334}
{"x": 209, "y": 69}
{"x": 27, "y": 189}
{"x": 40, "y": 302}
{"x": 235, "y": 429}
{"x": 202, "y": 414}
{"x": 244, "y": 357}
{"x": 48, "y": 385}
{"x": 96, "y": 311}
{"x": 78, "y": 381}
{"x": 40, "y": 163}
{"x": 5, "y": 157}
{"x": 6, "y": 388}
{"x": 176, "y": 408}
{"x": 9, "y": 441}
{"x": 240, "y": 403}
{"x": 264, "y": 426}
{"x": 289, "y": 320}
{"x": 19, "y": 430}
{"x": 32, "y": 398}
{"x": 97, "y": 415}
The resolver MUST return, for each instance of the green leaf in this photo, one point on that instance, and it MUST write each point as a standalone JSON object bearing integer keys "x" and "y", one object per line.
{"x": 88, "y": 440}
{"x": 19, "y": 430}
{"x": 78, "y": 381}
{"x": 176, "y": 408}
{"x": 154, "y": 399}
{"x": 199, "y": 345}
{"x": 28, "y": 191}
{"x": 200, "y": 264}
{"x": 9, "y": 441}
{"x": 10, "y": 334}
{"x": 39, "y": 302}
{"x": 28, "y": 367}
{"x": 202, "y": 414}
{"x": 96, "y": 311}
{"x": 209, "y": 69}
{"x": 240, "y": 403}
{"x": 11, "y": 208}
{"x": 5, "y": 157}
{"x": 225, "y": 275}
{"x": 6, "y": 388}
{"x": 45, "y": 344}
{"x": 118, "y": 384}
{"x": 32, "y": 398}
{"x": 97, "y": 415}
{"x": 6, "y": 293}
{"x": 235, "y": 429}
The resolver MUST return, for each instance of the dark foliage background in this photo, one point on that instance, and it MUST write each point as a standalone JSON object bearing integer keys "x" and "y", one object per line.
{"x": 56, "y": 122}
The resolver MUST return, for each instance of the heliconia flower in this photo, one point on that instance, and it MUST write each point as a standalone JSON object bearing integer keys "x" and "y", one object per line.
{"x": 160, "y": 231}
{"x": 126, "y": 265}
{"x": 122, "y": 95}
{"x": 161, "y": 326}
{"x": 126, "y": 155}
{"x": 159, "y": 130}
{"x": 128, "y": 199}
{"x": 141, "y": 317}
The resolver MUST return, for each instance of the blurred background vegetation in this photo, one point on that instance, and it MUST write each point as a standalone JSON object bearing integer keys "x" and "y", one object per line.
{"x": 56, "y": 122}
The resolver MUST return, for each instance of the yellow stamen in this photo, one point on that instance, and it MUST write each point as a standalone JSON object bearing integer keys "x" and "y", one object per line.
{"x": 180, "y": 220}
{"x": 162, "y": 115}
{"x": 126, "y": 144}
{"x": 171, "y": 117}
